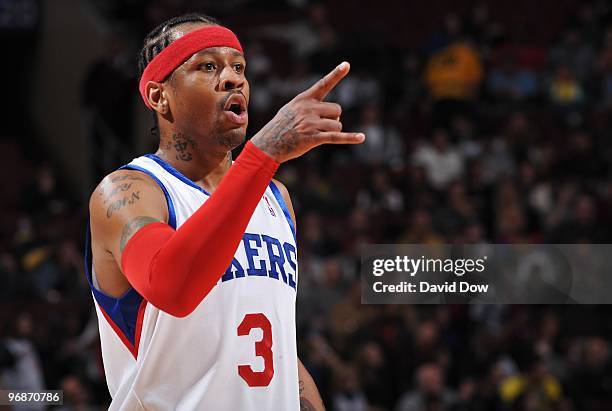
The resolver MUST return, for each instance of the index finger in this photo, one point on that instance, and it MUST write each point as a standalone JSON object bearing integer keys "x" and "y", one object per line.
{"x": 321, "y": 88}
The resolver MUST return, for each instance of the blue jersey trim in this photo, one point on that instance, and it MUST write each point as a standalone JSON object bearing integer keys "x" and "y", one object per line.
{"x": 171, "y": 210}
{"x": 176, "y": 173}
{"x": 281, "y": 201}
{"x": 123, "y": 310}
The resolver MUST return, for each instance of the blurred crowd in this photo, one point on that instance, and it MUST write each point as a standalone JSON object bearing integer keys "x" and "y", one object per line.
{"x": 475, "y": 133}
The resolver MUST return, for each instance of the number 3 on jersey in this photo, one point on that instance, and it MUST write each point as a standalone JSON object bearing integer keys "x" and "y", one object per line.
{"x": 263, "y": 348}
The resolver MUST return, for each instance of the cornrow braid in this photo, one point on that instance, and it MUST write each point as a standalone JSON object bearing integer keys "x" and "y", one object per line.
{"x": 161, "y": 37}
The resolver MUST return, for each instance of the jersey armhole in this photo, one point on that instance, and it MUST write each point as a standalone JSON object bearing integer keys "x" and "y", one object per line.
{"x": 281, "y": 201}
{"x": 125, "y": 313}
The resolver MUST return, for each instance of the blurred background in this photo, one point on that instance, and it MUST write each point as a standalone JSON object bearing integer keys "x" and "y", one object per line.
{"x": 485, "y": 122}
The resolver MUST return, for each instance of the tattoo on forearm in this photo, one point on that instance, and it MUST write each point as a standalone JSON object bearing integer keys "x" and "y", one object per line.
{"x": 132, "y": 227}
{"x": 182, "y": 144}
{"x": 306, "y": 405}
{"x": 282, "y": 137}
{"x": 119, "y": 204}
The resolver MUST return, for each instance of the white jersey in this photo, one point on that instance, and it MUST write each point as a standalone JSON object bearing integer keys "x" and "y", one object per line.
{"x": 237, "y": 349}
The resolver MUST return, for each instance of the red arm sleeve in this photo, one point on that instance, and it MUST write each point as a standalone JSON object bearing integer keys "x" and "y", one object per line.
{"x": 175, "y": 270}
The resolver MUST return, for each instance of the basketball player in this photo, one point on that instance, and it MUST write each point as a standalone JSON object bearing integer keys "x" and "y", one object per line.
{"x": 191, "y": 256}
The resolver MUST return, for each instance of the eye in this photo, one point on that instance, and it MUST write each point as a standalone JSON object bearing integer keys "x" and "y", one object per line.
{"x": 208, "y": 66}
{"x": 239, "y": 68}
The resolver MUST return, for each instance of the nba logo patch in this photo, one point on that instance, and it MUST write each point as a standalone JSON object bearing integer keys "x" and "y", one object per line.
{"x": 270, "y": 207}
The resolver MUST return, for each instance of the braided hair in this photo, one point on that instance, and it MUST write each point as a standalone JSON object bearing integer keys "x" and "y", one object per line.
{"x": 161, "y": 37}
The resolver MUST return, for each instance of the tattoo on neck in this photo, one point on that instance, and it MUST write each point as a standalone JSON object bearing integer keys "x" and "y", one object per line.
{"x": 119, "y": 204}
{"x": 132, "y": 227}
{"x": 183, "y": 144}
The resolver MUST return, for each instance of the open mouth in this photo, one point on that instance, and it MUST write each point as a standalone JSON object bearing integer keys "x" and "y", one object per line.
{"x": 236, "y": 104}
{"x": 235, "y": 109}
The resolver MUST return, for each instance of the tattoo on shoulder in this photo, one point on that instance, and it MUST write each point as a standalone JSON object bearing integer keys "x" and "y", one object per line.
{"x": 120, "y": 188}
{"x": 116, "y": 188}
{"x": 124, "y": 177}
{"x": 132, "y": 227}
{"x": 125, "y": 201}
{"x": 183, "y": 144}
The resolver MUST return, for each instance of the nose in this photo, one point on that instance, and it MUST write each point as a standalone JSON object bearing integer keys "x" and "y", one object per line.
{"x": 230, "y": 80}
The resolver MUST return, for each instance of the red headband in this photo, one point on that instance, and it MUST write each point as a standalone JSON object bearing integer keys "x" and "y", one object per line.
{"x": 179, "y": 51}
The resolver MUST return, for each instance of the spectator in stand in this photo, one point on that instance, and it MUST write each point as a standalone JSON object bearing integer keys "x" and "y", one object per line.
{"x": 349, "y": 396}
{"x": 326, "y": 55}
{"x": 300, "y": 77}
{"x": 374, "y": 375}
{"x": 453, "y": 76}
{"x": 575, "y": 53}
{"x": 533, "y": 390}
{"x": 360, "y": 89}
{"x": 591, "y": 381}
{"x": 42, "y": 197}
{"x": 479, "y": 20}
{"x": 76, "y": 395}
{"x": 380, "y": 196}
{"x": 420, "y": 230}
{"x": 519, "y": 135}
{"x": 508, "y": 82}
{"x": 514, "y": 222}
{"x": 442, "y": 161}
{"x": 582, "y": 226}
{"x": 431, "y": 392}
{"x": 71, "y": 277}
{"x": 263, "y": 94}
{"x": 384, "y": 144}
{"x": 411, "y": 90}
{"x": 303, "y": 35}
{"x": 25, "y": 372}
{"x": 452, "y": 218}
{"x": 465, "y": 133}
{"x": 10, "y": 274}
{"x": 580, "y": 158}
{"x": 565, "y": 90}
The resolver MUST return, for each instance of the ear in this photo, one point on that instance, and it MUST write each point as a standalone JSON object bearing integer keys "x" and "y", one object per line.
{"x": 156, "y": 96}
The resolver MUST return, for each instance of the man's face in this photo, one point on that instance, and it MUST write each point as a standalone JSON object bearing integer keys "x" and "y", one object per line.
{"x": 208, "y": 95}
